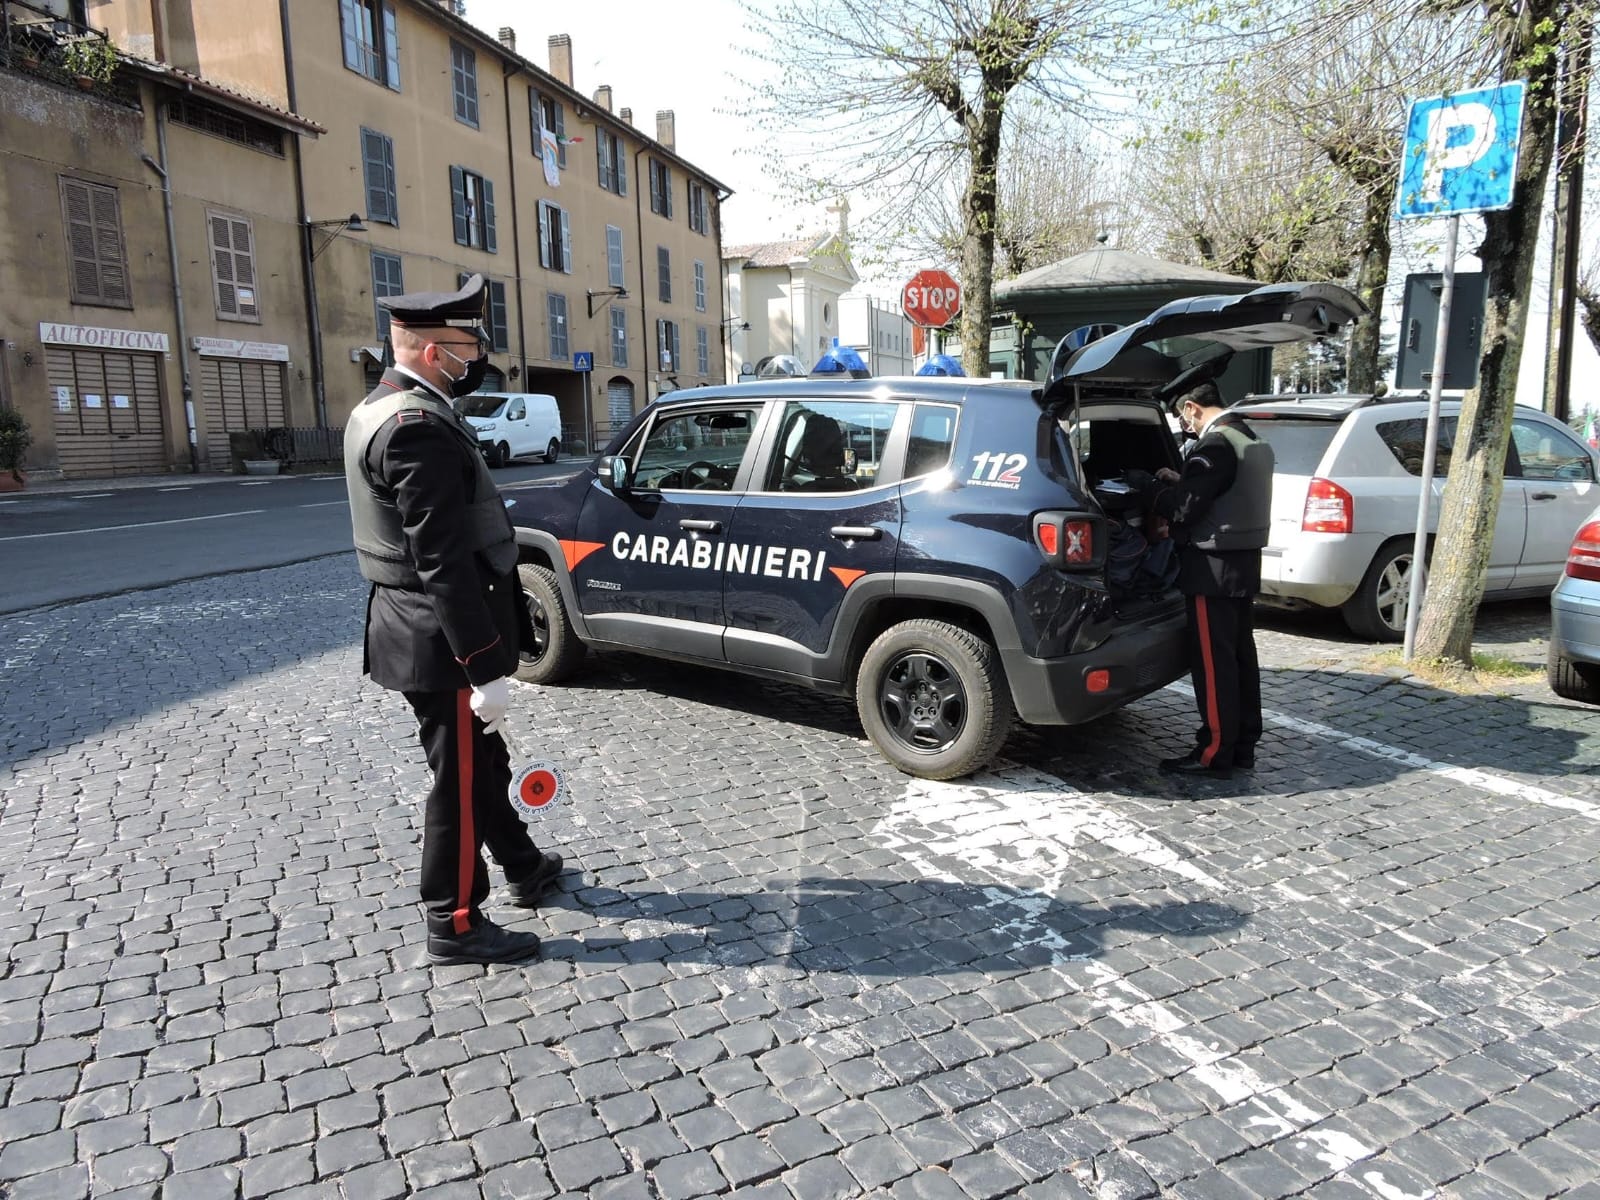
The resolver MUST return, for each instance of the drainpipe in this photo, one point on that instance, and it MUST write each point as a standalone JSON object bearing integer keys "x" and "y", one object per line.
{"x": 308, "y": 269}
{"x": 160, "y": 168}
{"x": 516, "y": 223}
{"x": 639, "y": 188}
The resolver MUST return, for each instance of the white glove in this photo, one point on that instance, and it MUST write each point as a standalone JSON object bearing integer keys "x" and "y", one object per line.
{"x": 490, "y": 701}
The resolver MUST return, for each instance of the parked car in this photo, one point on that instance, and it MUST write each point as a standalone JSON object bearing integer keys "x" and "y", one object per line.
{"x": 514, "y": 425}
{"x": 1344, "y": 503}
{"x": 1574, "y": 662}
{"x": 940, "y": 549}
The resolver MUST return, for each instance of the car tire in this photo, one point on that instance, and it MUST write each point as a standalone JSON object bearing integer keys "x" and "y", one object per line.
{"x": 557, "y": 652}
{"x": 932, "y": 698}
{"x": 502, "y": 454}
{"x": 1573, "y": 680}
{"x": 552, "y": 451}
{"x": 1378, "y": 604}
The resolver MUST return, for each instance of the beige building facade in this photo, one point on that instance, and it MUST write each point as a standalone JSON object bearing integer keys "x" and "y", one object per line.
{"x": 411, "y": 150}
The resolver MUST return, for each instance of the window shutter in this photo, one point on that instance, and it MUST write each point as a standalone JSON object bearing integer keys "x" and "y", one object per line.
{"x": 561, "y": 132}
{"x": 664, "y": 271}
{"x": 498, "y": 325}
{"x": 566, "y": 242}
{"x": 666, "y": 191}
{"x": 614, "y": 256}
{"x": 622, "y": 166}
{"x": 602, "y": 154}
{"x": 544, "y": 235}
{"x": 222, "y": 265}
{"x": 391, "y": 46}
{"x": 663, "y": 351}
{"x": 458, "y": 205}
{"x": 672, "y": 327}
{"x": 80, "y": 240}
{"x": 391, "y": 198}
{"x": 347, "y": 26}
{"x": 488, "y": 217}
{"x": 655, "y": 187}
{"x": 244, "y": 269}
{"x": 108, "y": 245}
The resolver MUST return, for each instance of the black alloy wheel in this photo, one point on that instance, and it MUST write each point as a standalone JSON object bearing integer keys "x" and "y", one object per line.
{"x": 922, "y": 702}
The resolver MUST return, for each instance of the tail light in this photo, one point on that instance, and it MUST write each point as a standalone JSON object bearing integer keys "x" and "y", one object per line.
{"x": 1068, "y": 539}
{"x": 1583, "y": 560}
{"x": 1329, "y": 508}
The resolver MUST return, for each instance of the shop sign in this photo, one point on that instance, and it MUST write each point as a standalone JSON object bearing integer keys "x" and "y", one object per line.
{"x": 97, "y": 338}
{"x": 210, "y": 347}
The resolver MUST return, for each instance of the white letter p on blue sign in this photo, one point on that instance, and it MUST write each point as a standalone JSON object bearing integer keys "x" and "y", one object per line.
{"x": 1461, "y": 152}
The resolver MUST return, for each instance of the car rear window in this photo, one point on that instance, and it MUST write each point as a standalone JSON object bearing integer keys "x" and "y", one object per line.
{"x": 1298, "y": 446}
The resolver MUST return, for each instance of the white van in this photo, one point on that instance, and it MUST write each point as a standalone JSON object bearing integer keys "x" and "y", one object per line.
{"x": 513, "y": 425}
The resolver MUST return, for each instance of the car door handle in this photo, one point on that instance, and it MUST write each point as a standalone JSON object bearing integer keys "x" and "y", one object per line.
{"x": 1542, "y": 496}
{"x": 857, "y": 533}
{"x": 700, "y": 526}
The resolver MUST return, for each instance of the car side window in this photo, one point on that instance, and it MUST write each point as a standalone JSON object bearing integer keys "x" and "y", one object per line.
{"x": 517, "y": 411}
{"x": 933, "y": 437}
{"x": 829, "y": 445}
{"x": 1407, "y": 438}
{"x": 697, "y": 449}
{"x": 1549, "y": 453}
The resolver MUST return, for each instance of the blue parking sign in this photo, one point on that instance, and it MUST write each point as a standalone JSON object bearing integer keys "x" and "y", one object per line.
{"x": 1461, "y": 152}
{"x": 583, "y": 360}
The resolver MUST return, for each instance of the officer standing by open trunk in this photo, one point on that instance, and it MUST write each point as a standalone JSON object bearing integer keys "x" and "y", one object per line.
{"x": 445, "y": 616}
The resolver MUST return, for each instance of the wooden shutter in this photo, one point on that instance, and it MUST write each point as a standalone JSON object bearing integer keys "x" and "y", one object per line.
{"x": 458, "y": 206}
{"x": 544, "y": 234}
{"x": 602, "y": 153}
{"x": 655, "y": 186}
{"x": 352, "y": 41}
{"x": 244, "y": 269}
{"x": 499, "y": 337}
{"x": 664, "y": 271}
{"x": 488, "y": 216}
{"x": 614, "y": 256}
{"x": 222, "y": 265}
{"x": 94, "y": 243}
{"x": 566, "y": 242}
{"x": 377, "y": 158}
{"x": 391, "y": 46}
{"x": 677, "y": 349}
{"x": 666, "y": 191}
{"x": 561, "y": 132}
{"x": 80, "y": 240}
{"x": 622, "y": 166}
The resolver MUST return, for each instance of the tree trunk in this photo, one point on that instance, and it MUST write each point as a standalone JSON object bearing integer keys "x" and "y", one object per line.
{"x": 978, "y": 208}
{"x": 1477, "y": 464}
{"x": 1362, "y": 371}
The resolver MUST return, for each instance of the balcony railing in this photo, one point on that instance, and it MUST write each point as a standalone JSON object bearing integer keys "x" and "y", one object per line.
{"x": 38, "y": 42}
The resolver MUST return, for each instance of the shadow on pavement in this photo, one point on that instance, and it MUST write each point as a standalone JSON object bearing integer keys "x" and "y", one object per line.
{"x": 884, "y": 927}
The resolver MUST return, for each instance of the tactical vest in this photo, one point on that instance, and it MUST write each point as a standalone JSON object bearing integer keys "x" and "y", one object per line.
{"x": 1240, "y": 518}
{"x": 381, "y": 550}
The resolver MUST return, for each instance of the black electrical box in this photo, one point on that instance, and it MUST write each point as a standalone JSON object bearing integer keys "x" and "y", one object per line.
{"x": 1419, "y": 329}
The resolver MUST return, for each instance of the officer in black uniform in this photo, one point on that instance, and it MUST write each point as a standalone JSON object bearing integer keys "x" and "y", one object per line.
{"x": 445, "y": 617}
{"x": 1219, "y": 510}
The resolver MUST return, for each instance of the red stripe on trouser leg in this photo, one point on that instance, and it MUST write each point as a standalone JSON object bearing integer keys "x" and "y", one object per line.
{"x": 1213, "y": 720}
{"x": 466, "y": 844}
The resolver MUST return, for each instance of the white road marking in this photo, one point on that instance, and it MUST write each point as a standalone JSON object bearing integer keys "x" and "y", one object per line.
{"x": 23, "y": 537}
{"x": 93, "y": 495}
{"x": 184, "y": 488}
{"x": 256, "y": 483}
{"x": 322, "y": 504}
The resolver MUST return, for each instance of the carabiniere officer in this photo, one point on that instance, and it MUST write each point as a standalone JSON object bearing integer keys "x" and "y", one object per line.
{"x": 446, "y": 615}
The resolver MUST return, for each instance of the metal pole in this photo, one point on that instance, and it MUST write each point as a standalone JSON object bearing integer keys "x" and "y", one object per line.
{"x": 1430, "y": 444}
{"x": 177, "y": 286}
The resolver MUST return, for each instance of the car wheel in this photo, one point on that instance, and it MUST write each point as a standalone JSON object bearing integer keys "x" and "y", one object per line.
{"x": 556, "y": 651}
{"x": 552, "y": 451}
{"x": 502, "y": 454}
{"x": 1377, "y": 611}
{"x": 1573, "y": 680}
{"x": 932, "y": 697}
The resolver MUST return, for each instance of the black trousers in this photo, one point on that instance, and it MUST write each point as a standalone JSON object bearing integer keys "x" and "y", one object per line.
{"x": 1227, "y": 677}
{"x": 467, "y": 809}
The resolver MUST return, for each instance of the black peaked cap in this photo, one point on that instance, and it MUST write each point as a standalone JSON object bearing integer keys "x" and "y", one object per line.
{"x": 462, "y": 308}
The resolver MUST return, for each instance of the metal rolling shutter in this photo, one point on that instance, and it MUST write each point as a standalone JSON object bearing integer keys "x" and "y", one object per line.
{"x": 106, "y": 439}
{"x": 238, "y": 394}
{"x": 619, "y": 401}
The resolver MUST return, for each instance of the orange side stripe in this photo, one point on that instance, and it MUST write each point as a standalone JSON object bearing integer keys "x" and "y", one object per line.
{"x": 846, "y": 575}
{"x": 1210, "y": 752}
{"x": 576, "y": 552}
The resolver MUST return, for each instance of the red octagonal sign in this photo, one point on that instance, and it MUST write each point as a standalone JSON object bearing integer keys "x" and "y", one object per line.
{"x": 931, "y": 299}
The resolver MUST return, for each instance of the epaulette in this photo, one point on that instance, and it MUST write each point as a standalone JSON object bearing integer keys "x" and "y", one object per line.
{"x": 410, "y": 414}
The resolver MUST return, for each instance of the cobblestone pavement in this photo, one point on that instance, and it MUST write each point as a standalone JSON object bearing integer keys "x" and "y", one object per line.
{"x": 777, "y": 967}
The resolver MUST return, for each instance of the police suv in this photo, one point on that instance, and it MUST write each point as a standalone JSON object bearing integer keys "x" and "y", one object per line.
{"x": 954, "y": 553}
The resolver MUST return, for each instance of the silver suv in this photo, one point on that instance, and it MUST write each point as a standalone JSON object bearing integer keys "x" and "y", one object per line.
{"x": 1344, "y": 503}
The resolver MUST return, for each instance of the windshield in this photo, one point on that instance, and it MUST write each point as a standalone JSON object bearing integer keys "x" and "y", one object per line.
{"x": 482, "y": 406}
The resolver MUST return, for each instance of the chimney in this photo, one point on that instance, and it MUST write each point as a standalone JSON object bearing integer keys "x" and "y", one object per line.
{"x": 666, "y": 128}
{"x": 602, "y": 96}
{"x": 627, "y": 116}
{"x": 561, "y": 57}
{"x": 508, "y": 38}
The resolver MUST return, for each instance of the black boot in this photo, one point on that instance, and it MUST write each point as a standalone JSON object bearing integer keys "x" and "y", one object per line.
{"x": 527, "y": 889}
{"x": 1190, "y": 764}
{"x": 485, "y": 942}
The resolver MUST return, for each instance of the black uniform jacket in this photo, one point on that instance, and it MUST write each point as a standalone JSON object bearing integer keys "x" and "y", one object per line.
{"x": 1208, "y": 471}
{"x": 465, "y": 627}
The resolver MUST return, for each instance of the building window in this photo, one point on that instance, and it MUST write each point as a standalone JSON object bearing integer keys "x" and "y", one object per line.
{"x": 660, "y": 188}
{"x": 464, "y": 83}
{"x": 555, "y": 238}
{"x": 614, "y": 256}
{"x": 377, "y": 164}
{"x": 619, "y": 336}
{"x": 371, "y": 44}
{"x": 233, "y": 267}
{"x": 93, "y": 218}
{"x": 546, "y": 112}
{"x": 699, "y": 219}
{"x": 667, "y": 349}
{"x": 498, "y": 326}
{"x": 472, "y": 204}
{"x": 699, "y": 286}
{"x": 387, "y": 280}
{"x": 664, "y": 273}
{"x": 219, "y": 122}
{"x": 613, "y": 162}
{"x": 702, "y": 349}
{"x": 558, "y": 326}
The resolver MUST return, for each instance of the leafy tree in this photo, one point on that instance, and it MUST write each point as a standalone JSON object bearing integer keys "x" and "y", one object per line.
{"x": 900, "y": 100}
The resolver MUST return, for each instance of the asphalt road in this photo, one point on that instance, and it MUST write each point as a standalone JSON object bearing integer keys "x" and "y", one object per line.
{"x": 59, "y": 546}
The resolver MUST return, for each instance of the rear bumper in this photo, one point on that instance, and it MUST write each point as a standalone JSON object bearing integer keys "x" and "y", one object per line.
{"x": 1318, "y": 568}
{"x": 1055, "y": 691}
{"x": 1575, "y": 620}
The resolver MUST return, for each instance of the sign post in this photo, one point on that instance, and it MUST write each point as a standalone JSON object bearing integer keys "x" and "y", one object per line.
{"x": 583, "y": 363}
{"x": 1460, "y": 155}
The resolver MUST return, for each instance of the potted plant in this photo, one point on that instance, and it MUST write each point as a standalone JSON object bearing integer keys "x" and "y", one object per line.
{"x": 91, "y": 61}
{"x": 15, "y": 438}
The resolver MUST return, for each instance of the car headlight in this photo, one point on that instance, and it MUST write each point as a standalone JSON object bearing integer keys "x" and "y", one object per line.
{"x": 485, "y": 427}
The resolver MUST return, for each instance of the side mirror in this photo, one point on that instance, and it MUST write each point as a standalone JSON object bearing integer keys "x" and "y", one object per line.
{"x": 614, "y": 473}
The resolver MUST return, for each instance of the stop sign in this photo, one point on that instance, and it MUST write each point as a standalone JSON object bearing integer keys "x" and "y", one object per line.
{"x": 931, "y": 299}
